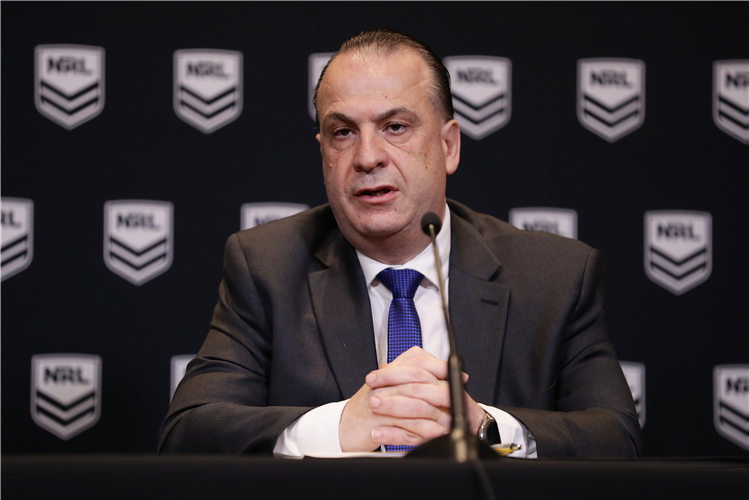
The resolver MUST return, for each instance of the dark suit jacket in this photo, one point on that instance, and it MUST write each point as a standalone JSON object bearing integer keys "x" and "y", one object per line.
{"x": 293, "y": 330}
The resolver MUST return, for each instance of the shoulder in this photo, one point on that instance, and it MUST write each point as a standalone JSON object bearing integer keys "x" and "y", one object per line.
{"x": 285, "y": 240}
{"x": 524, "y": 253}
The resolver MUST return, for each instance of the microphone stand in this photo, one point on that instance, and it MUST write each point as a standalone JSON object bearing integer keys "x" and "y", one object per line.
{"x": 459, "y": 445}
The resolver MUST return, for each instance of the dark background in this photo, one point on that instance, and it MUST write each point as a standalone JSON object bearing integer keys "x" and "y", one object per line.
{"x": 137, "y": 148}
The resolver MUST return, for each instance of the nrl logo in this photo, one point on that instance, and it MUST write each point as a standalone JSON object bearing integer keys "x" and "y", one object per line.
{"x": 65, "y": 392}
{"x": 138, "y": 238}
{"x": 179, "y": 367}
{"x": 17, "y": 235}
{"x": 678, "y": 248}
{"x": 731, "y": 408}
{"x": 69, "y": 83}
{"x": 635, "y": 375}
{"x": 254, "y": 214}
{"x": 559, "y": 221}
{"x": 611, "y": 96}
{"x": 316, "y": 64}
{"x": 731, "y": 98}
{"x": 207, "y": 87}
{"x": 481, "y": 89}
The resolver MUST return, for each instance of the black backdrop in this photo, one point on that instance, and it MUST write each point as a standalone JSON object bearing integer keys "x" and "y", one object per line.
{"x": 68, "y": 301}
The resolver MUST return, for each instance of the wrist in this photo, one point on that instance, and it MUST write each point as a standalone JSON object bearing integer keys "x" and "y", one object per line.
{"x": 475, "y": 417}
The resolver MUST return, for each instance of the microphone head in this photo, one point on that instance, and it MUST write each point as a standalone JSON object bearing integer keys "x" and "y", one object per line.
{"x": 431, "y": 219}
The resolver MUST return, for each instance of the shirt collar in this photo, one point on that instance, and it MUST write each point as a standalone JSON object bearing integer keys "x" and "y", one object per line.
{"x": 424, "y": 262}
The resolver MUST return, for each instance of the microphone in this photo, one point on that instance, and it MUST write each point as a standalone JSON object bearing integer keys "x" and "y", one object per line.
{"x": 431, "y": 219}
{"x": 459, "y": 445}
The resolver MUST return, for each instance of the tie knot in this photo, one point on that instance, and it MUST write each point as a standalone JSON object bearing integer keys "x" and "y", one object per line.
{"x": 402, "y": 282}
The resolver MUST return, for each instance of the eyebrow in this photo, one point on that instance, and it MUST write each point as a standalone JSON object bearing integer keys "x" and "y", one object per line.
{"x": 336, "y": 116}
{"x": 400, "y": 110}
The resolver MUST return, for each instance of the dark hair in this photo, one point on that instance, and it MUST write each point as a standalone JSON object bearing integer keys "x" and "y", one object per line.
{"x": 387, "y": 42}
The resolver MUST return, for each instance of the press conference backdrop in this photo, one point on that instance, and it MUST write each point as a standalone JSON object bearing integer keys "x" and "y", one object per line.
{"x": 137, "y": 137}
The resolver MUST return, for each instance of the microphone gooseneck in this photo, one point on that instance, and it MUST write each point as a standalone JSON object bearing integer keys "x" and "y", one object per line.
{"x": 459, "y": 445}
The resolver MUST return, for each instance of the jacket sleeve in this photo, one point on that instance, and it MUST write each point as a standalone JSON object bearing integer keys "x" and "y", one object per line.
{"x": 588, "y": 410}
{"x": 221, "y": 405}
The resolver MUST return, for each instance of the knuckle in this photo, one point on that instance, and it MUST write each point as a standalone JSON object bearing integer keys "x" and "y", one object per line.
{"x": 411, "y": 438}
{"x": 414, "y": 390}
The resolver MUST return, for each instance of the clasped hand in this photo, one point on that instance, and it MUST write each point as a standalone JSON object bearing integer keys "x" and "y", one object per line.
{"x": 405, "y": 402}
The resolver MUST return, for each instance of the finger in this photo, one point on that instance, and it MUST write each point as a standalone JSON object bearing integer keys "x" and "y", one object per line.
{"x": 418, "y": 357}
{"x": 408, "y": 354}
{"x": 435, "y": 394}
{"x": 435, "y": 366}
{"x": 404, "y": 407}
{"x": 396, "y": 375}
{"x": 411, "y": 433}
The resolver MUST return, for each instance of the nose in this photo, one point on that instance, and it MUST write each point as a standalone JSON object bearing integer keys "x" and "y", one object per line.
{"x": 370, "y": 151}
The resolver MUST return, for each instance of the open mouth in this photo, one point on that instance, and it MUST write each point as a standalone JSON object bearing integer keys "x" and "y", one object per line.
{"x": 377, "y": 192}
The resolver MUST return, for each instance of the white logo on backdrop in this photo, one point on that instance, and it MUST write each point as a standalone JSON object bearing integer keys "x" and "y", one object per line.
{"x": 561, "y": 221}
{"x": 254, "y": 214}
{"x": 731, "y": 408}
{"x": 635, "y": 375}
{"x": 65, "y": 392}
{"x": 138, "y": 238}
{"x": 731, "y": 98}
{"x": 317, "y": 63}
{"x": 611, "y": 96}
{"x": 179, "y": 367}
{"x": 69, "y": 83}
{"x": 678, "y": 248}
{"x": 207, "y": 87}
{"x": 17, "y": 235}
{"x": 482, "y": 97}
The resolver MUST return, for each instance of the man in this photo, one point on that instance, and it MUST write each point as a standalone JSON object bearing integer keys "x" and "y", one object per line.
{"x": 307, "y": 307}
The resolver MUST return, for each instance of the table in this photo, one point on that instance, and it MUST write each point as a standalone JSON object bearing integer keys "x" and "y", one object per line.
{"x": 219, "y": 477}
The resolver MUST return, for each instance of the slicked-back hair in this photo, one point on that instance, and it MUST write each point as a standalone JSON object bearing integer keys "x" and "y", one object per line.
{"x": 386, "y": 42}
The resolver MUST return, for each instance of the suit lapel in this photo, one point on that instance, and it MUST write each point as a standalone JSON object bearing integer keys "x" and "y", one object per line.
{"x": 341, "y": 305}
{"x": 478, "y": 308}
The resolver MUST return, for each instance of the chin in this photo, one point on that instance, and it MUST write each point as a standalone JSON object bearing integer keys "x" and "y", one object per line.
{"x": 379, "y": 226}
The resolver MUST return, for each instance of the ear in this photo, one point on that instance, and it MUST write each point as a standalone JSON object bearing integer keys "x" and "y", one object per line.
{"x": 451, "y": 145}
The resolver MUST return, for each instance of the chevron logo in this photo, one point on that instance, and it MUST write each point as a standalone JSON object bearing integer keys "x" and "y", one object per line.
{"x": 254, "y": 214}
{"x": 611, "y": 96}
{"x": 561, "y": 221}
{"x": 481, "y": 90}
{"x": 208, "y": 87}
{"x": 65, "y": 392}
{"x": 731, "y": 98}
{"x": 69, "y": 83}
{"x": 731, "y": 403}
{"x": 138, "y": 238}
{"x": 17, "y": 235}
{"x": 635, "y": 375}
{"x": 678, "y": 247}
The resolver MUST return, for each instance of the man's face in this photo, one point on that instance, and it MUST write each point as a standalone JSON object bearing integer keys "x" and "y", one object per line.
{"x": 385, "y": 150}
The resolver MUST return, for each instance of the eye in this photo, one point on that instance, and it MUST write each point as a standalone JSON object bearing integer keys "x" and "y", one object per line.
{"x": 342, "y": 133}
{"x": 396, "y": 128}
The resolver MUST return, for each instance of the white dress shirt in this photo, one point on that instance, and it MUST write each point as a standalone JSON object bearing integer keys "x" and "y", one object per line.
{"x": 316, "y": 432}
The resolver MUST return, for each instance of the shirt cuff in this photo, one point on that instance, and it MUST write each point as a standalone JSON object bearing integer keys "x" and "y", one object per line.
{"x": 512, "y": 431}
{"x": 314, "y": 432}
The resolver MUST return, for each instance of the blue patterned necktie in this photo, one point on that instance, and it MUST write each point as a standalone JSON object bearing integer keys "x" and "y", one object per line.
{"x": 404, "y": 328}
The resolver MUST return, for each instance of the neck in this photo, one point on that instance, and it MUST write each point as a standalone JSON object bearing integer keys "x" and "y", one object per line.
{"x": 397, "y": 248}
{"x": 394, "y": 249}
